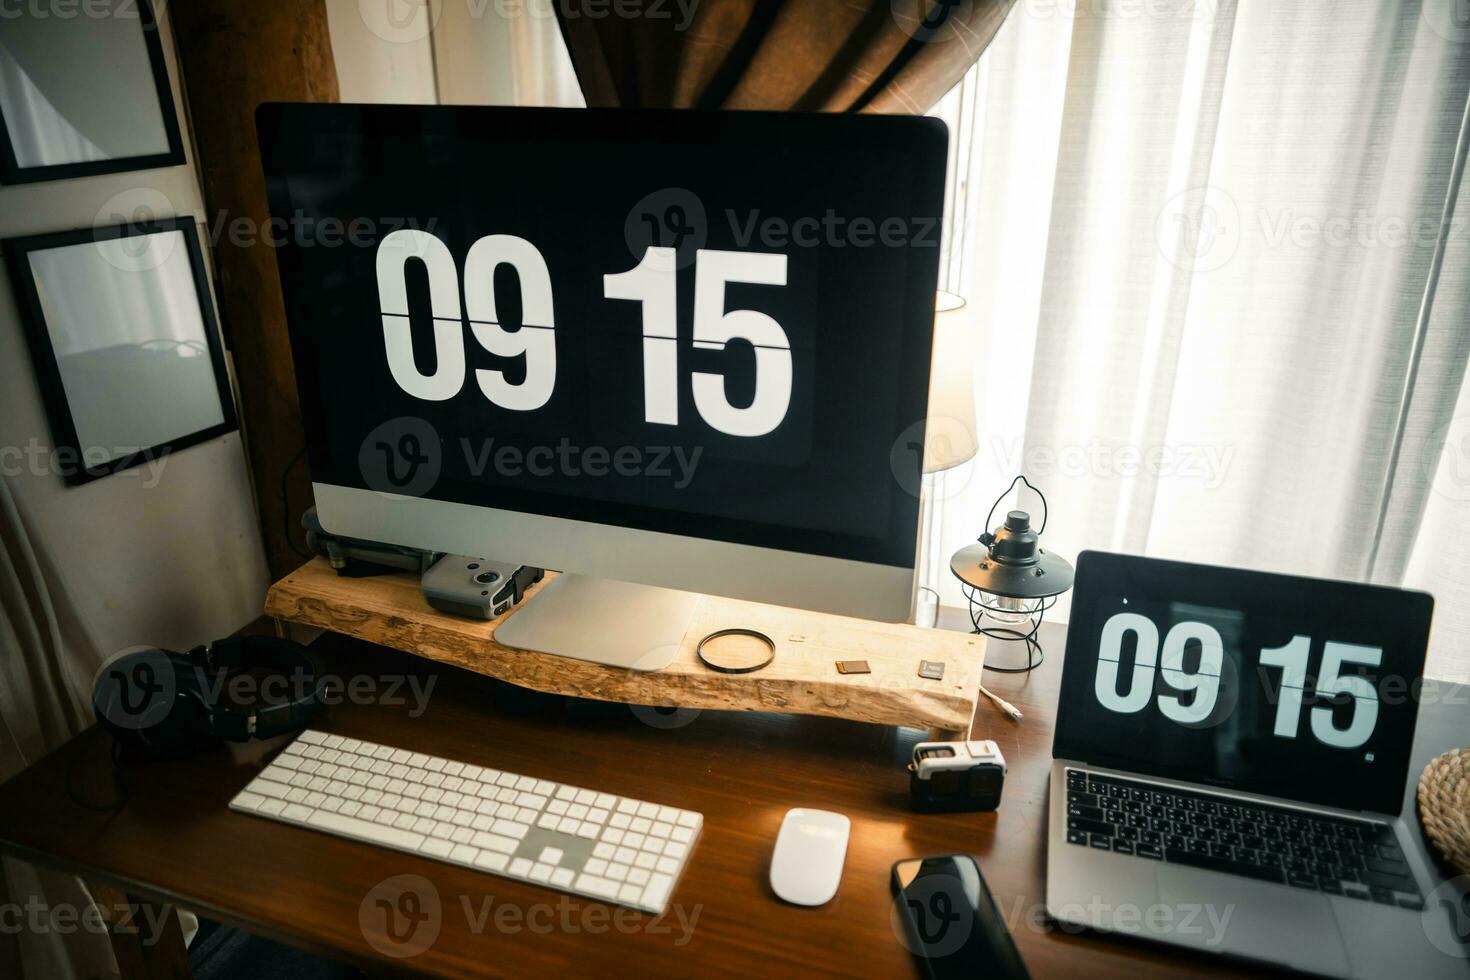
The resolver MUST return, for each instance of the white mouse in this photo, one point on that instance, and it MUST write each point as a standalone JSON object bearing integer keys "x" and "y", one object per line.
{"x": 807, "y": 864}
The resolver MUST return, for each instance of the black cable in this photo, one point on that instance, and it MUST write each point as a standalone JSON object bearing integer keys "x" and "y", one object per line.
{"x": 125, "y": 792}
{"x": 286, "y": 505}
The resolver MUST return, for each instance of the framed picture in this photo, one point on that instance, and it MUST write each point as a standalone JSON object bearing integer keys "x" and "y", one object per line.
{"x": 84, "y": 94}
{"x": 124, "y": 342}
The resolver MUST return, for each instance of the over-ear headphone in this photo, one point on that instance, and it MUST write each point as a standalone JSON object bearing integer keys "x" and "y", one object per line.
{"x": 166, "y": 703}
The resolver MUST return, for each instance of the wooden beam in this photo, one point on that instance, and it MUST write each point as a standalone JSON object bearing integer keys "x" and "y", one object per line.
{"x": 803, "y": 679}
{"x": 234, "y": 56}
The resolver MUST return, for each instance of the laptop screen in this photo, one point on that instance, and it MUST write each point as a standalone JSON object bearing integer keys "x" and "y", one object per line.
{"x": 1305, "y": 689}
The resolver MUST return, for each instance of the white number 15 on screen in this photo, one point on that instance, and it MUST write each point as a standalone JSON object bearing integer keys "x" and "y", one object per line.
{"x": 651, "y": 283}
{"x": 1205, "y": 680}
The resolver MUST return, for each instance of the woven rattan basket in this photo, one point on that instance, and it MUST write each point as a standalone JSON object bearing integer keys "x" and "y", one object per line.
{"x": 1444, "y": 806}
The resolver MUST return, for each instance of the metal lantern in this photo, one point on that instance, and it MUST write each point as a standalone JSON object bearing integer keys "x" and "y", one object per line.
{"x": 1011, "y": 581}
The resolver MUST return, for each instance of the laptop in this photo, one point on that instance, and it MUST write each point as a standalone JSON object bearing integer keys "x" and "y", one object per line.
{"x": 1231, "y": 757}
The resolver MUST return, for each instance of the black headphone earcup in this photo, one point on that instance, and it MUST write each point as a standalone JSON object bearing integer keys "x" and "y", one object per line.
{"x": 151, "y": 701}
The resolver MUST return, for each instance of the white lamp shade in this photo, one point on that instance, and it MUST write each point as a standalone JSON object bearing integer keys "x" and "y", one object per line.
{"x": 949, "y": 436}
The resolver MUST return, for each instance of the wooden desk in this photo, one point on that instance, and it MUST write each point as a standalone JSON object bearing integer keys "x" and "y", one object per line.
{"x": 175, "y": 842}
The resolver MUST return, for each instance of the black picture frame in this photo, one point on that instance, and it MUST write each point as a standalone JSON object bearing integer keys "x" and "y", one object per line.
{"x": 12, "y": 173}
{"x": 17, "y": 252}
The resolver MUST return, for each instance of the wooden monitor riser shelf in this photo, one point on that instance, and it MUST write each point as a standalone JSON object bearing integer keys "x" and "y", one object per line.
{"x": 803, "y": 679}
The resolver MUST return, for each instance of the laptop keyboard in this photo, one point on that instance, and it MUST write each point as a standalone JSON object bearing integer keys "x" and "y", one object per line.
{"x": 1339, "y": 856}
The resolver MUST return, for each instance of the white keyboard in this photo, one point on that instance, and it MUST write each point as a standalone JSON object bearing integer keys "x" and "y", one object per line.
{"x": 578, "y": 840}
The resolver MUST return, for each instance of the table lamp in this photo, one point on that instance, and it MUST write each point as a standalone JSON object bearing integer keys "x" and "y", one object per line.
{"x": 1011, "y": 581}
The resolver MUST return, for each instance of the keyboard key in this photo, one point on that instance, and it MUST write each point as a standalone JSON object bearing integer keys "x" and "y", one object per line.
{"x": 657, "y": 891}
{"x": 601, "y": 887}
{"x": 1196, "y": 860}
{"x": 366, "y": 830}
{"x": 435, "y": 847}
{"x": 495, "y": 842}
{"x": 1087, "y": 826}
{"x": 1394, "y": 868}
{"x": 1401, "y": 882}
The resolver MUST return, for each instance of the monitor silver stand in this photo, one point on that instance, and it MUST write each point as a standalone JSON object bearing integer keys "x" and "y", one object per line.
{"x": 619, "y": 624}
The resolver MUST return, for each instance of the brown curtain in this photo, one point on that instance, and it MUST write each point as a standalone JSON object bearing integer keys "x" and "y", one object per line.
{"x": 811, "y": 55}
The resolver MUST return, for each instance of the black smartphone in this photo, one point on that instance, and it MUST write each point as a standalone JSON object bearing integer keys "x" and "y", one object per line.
{"x": 949, "y": 921}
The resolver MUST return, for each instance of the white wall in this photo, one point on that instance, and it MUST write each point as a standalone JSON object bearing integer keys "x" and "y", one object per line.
{"x": 169, "y": 556}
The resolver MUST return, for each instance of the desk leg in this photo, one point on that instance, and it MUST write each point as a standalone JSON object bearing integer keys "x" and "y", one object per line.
{"x": 145, "y": 936}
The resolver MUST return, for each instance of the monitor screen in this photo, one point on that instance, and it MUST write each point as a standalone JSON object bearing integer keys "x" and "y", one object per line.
{"x": 709, "y": 324}
{"x": 1300, "y": 688}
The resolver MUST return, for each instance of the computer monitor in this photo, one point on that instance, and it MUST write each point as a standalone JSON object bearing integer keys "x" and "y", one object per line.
{"x": 678, "y": 350}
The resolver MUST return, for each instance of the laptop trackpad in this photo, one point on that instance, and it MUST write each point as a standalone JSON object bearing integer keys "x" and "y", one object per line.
{"x": 1249, "y": 918}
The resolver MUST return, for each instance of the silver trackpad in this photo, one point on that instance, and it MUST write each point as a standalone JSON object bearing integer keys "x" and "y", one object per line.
{"x": 1254, "y": 919}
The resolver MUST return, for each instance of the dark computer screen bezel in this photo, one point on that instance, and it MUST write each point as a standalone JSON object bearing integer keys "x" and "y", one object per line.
{"x": 925, "y": 138}
{"x": 1099, "y": 574}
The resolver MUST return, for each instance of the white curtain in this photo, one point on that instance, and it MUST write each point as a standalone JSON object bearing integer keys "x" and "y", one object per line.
{"x": 47, "y": 658}
{"x": 1201, "y": 236}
